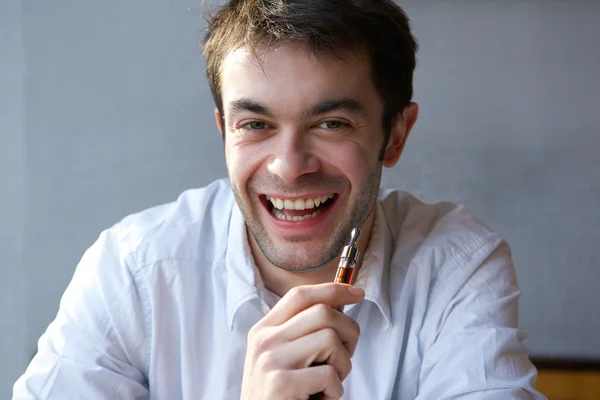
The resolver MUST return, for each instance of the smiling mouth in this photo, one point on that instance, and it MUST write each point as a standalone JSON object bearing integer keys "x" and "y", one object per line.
{"x": 298, "y": 209}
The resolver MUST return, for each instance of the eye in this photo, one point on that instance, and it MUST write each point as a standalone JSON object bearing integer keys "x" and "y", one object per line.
{"x": 332, "y": 124}
{"x": 255, "y": 125}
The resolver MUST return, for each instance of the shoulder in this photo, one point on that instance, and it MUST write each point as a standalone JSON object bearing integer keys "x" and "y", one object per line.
{"x": 441, "y": 236}
{"x": 176, "y": 230}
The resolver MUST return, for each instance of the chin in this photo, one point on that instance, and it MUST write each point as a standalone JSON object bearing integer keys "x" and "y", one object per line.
{"x": 296, "y": 257}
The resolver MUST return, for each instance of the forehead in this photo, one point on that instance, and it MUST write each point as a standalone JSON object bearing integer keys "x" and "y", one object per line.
{"x": 289, "y": 76}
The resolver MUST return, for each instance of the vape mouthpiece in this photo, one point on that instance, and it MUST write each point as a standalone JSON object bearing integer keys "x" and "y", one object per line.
{"x": 355, "y": 236}
{"x": 351, "y": 250}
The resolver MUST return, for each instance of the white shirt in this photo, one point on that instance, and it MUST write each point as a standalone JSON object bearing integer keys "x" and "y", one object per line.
{"x": 160, "y": 305}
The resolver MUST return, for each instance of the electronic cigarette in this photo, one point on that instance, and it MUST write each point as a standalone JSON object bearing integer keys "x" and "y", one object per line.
{"x": 349, "y": 259}
{"x": 345, "y": 274}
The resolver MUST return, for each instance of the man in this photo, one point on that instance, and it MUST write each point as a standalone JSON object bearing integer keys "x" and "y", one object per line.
{"x": 225, "y": 293}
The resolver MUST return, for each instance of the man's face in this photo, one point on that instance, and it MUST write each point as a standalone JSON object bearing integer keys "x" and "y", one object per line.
{"x": 302, "y": 142}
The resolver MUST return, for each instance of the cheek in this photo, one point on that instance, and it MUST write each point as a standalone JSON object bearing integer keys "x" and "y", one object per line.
{"x": 242, "y": 161}
{"x": 352, "y": 159}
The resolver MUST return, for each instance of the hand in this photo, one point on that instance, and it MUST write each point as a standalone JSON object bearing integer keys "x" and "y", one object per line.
{"x": 300, "y": 330}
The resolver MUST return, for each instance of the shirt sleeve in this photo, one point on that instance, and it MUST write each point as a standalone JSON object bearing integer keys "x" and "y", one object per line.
{"x": 94, "y": 348}
{"x": 473, "y": 347}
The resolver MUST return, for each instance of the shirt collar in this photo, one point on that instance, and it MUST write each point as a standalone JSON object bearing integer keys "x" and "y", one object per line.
{"x": 242, "y": 273}
{"x": 244, "y": 282}
{"x": 373, "y": 274}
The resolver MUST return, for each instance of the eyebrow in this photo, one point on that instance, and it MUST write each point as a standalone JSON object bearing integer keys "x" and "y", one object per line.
{"x": 241, "y": 105}
{"x": 345, "y": 103}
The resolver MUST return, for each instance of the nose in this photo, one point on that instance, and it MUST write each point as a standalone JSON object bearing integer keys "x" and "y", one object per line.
{"x": 292, "y": 157}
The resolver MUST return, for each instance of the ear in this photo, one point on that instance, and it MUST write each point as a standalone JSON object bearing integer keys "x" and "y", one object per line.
{"x": 219, "y": 122}
{"x": 399, "y": 133}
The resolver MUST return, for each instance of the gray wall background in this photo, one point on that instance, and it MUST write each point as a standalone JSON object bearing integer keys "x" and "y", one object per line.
{"x": 104, "y": 111}
{"x": 13, "y": 322}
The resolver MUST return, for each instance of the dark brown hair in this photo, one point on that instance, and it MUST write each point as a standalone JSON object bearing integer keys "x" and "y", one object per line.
{"x": 378, "y": 29}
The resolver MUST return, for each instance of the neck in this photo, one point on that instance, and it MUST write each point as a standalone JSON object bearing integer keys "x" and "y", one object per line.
{"x": 280, "y": 281}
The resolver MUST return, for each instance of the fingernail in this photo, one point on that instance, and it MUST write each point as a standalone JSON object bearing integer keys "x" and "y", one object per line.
{"x": 356, "y": 291}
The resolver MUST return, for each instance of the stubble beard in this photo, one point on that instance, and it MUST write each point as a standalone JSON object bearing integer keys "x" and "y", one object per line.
{"x": 304, "y": 261}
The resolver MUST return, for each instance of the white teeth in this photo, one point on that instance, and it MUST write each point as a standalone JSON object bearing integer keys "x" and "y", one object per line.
{"x": 279, "y": 215}
{"x": 299, "y": 204}
{"x": 279, "y": 204}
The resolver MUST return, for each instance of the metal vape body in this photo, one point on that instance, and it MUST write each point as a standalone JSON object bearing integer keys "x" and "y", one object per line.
{"x": 348, "y": 261}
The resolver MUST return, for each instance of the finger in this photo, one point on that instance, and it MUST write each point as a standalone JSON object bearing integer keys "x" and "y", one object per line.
{"x": 322, "y": 347}
{"x": 302, "y": 297}
{"x": 312, "y": 380}
{"x": 319, "y": 317}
